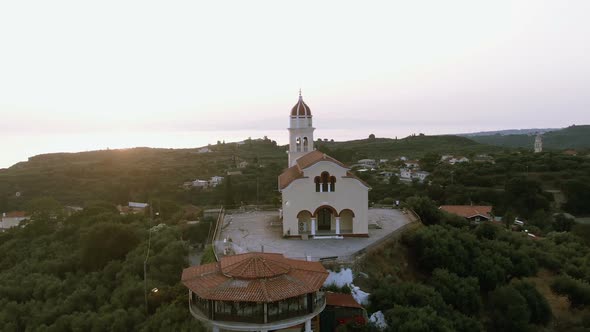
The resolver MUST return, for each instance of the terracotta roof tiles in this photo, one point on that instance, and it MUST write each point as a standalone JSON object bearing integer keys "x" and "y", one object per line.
{"x": 341, "y": 300}
{"x": 15, "y": 214}
{"x": 314, "y": 157}
{"x": 254, "y": 277}
{"x": 296, "y": 171}
{"x": 468, "y": 211}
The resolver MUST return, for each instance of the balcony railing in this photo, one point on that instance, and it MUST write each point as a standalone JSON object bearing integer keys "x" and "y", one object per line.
{"x": 202, "y": 313}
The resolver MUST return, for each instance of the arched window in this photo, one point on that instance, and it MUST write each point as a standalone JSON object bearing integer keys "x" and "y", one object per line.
{"x": 298, "y": 144}
{"x": 305, "y": 144}
{"x": 324, "y": 183}
{"x": 317, "y": 184}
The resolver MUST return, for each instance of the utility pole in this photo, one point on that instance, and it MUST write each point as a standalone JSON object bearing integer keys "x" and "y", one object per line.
{"x": 257, "y": 188}
{"x": 147, "y": 255}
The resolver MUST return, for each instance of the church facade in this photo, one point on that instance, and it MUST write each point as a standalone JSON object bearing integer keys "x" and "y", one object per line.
{"x": 320, "y": 196}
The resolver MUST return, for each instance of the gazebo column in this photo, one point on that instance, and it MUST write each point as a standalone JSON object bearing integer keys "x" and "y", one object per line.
{"x": 308, "y": 325}
{"x": 337, "y": 225}
{"x": 313, "y": 221}
{"x": 265, "y": 313}
{"x": 215, "y": 328}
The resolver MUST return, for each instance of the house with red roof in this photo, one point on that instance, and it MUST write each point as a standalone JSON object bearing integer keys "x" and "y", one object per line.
{"x": 474, "y": 213}
{"x": 341, "y": 309}
{"x": 12, "y": 219}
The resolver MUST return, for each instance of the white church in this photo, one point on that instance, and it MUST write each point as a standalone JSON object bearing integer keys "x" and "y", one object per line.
{"x": 320, "y": 196}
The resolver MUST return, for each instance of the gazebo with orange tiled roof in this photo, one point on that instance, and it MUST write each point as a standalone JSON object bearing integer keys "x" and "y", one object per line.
{"x": 255, "y": 291}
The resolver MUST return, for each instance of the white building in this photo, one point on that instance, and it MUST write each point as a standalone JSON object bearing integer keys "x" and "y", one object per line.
{"x": 201, "y": 184}
{"x": 412, "y": 163}
{"x": 538, "y": 144}
{"x": 405, "y": 174}
{"x": 370, "y": 163}
{"x": 133, "y": 208}
{"x": 11, "y": 219}
{"x": 408, "y": 174}
{"x": 320, "y": 195}
{"x": 420, "y": 175}
{"x": 215, "y": 181}
{"x": 204, "y": 150}
{"x": 454, "y": 160}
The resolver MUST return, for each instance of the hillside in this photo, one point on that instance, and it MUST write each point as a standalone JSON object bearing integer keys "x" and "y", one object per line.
{"x": 530, "y": 131}
{"x": 143, "y": 174}
{"x": 140, "y": 174}
{"x": 411, "y": 146}
{"x": 574, "y": 137}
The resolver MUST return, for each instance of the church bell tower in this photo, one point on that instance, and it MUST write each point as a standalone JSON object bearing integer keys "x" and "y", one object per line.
{"x": 300, "y": 131}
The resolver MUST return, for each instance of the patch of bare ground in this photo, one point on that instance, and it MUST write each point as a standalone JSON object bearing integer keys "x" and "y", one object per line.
{"x": 564, "y": 318}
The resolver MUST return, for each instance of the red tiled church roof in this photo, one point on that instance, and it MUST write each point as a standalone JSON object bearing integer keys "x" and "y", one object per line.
{"x": 296, "y": 171}
{"x": 254, "y": 277}
{"x": 314, "y": 157}
{"x": 468, "y": 211}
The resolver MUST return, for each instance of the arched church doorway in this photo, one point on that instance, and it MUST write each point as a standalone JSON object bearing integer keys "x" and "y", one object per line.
{"x": 324, "y": 219}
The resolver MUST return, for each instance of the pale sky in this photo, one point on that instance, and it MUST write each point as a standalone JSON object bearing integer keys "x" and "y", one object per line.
{"x": 92, "y": 71}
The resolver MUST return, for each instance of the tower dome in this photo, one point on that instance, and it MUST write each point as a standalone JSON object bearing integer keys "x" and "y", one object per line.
{"x": 301, "y": 108}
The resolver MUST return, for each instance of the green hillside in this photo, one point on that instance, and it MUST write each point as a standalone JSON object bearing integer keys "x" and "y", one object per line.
{"x": 143, "y": 174}
{"x": 412, "y": 147}
{"x": 574, "y": 137}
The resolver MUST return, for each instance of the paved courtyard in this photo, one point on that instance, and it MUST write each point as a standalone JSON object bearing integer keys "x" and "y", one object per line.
{"x": 251, "y": 231}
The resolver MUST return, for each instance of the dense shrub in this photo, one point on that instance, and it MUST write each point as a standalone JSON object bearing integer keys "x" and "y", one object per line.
{"x": 577, "y": 291}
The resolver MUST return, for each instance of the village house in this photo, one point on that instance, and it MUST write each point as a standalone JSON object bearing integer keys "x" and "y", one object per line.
{"x": 133, "y": 208}
{"x": 341, "y": 309}
{"x": 483, "y": 158}
{"x": 215, "y": 181}
{"x": 204, "y": 150}
{"x": 412, "y": 163}
{"x": 386, "y": 175}
{"x": 475, "y": 213}
{"x": 369, "y": 163}
{"x": 454, "y": 160}
{"x": 12, "y": 219}
{"x": 407, "y": 174}
{"x": 200, "y": 184}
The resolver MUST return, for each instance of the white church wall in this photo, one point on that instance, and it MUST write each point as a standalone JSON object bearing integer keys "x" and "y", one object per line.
{"x": 301, "y": 195}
